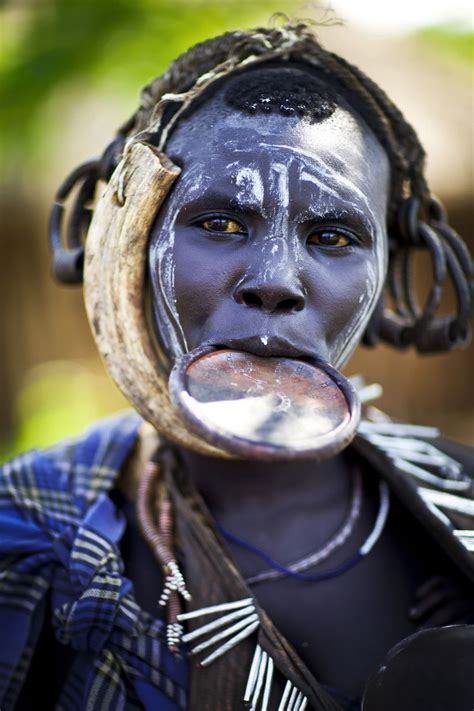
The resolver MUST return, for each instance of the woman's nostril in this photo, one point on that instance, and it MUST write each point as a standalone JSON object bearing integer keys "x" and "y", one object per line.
{"x": 288, "y": 305}
{"x": 270, "y": 301}
{"x": 251, "y": 299}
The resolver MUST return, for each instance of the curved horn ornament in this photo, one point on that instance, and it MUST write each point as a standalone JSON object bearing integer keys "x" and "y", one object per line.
{"x": 114, "y": 281}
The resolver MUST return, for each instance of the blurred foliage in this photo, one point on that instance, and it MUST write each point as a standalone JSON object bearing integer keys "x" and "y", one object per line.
{"x": 57, "y": 400}
{"x": 48, "y": 45}
{"x": 452, "y": 41}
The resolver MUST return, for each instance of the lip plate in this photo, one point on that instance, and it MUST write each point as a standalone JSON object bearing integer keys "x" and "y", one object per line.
{"x": 326, "y": 446}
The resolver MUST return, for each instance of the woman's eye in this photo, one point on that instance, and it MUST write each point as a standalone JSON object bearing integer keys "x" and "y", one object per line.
{"x": 329, "y": 238}
{"x": 222, "y": 225}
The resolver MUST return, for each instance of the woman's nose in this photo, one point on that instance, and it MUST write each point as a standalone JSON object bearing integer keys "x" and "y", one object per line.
{"x": 278, "y": 294}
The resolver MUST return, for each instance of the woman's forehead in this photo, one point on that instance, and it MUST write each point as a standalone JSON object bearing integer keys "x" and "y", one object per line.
{"x": 337, "y": 159}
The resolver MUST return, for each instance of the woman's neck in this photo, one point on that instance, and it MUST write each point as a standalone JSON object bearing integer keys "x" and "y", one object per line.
{"x": 229, "y": 485}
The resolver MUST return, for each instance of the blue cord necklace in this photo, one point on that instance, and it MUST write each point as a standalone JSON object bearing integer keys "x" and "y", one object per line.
{"x": 364, "y": 549}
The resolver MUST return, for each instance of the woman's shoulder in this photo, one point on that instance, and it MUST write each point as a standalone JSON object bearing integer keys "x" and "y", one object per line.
{"x": 45, "y": 490}
{"x": 59, "y": 552}
{"x": 72, "y": 464}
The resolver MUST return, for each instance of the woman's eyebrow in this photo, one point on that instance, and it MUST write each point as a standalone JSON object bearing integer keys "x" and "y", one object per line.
{"x": 220, "y": 200}
{"x": 352, "y": 217}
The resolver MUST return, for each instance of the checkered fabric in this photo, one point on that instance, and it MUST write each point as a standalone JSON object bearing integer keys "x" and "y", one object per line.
{"x": 59, "y": 534}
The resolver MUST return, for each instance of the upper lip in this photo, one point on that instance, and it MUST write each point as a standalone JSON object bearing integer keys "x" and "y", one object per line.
{"x": 266, "y": 346}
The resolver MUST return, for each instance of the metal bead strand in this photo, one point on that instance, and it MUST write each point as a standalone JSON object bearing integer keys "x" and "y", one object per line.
{"x": 161, "y": 542}
{"x": 174, "y": 582}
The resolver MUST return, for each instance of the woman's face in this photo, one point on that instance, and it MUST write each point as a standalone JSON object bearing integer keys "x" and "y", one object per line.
{"x": 273, "y": 239}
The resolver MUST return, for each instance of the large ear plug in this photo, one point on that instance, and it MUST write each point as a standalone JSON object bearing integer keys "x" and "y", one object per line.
{"x": 411, "y": 323}
{"x": 67, "y": 242}
{"x": 68, "y": 250}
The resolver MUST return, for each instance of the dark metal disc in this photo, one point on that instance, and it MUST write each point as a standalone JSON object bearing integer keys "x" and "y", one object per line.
{"x": 265, "y": 408}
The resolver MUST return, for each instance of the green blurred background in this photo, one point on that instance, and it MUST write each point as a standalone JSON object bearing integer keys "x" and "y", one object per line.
{"x": 70, "y": 72}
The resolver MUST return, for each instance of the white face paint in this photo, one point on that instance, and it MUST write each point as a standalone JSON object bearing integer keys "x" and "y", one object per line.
{"x": 283, "y": 181}
{"x": 249, "y": 183}
{"x": 162, "y": 255}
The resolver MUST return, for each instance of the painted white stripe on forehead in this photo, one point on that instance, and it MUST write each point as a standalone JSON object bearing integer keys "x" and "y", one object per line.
{"x": 304, "y": 175}
{"x": 281, "y": 183}
{"x": 280, "y": 242}
{"x": 279, "y": 190}
{"x": 250, "y": 182}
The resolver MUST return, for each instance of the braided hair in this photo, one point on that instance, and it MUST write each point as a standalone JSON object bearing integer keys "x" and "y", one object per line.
{"x": 416, "y": 220}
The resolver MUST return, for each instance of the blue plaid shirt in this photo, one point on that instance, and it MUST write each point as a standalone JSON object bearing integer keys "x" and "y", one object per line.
{"x": 59, "y": 535}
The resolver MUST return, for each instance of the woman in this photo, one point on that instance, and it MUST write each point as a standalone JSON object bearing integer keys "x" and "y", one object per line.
{"x": 258, "y": 202}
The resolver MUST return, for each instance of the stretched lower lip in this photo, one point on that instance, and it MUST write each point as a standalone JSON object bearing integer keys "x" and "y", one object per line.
{"x": 265, "y": 348}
